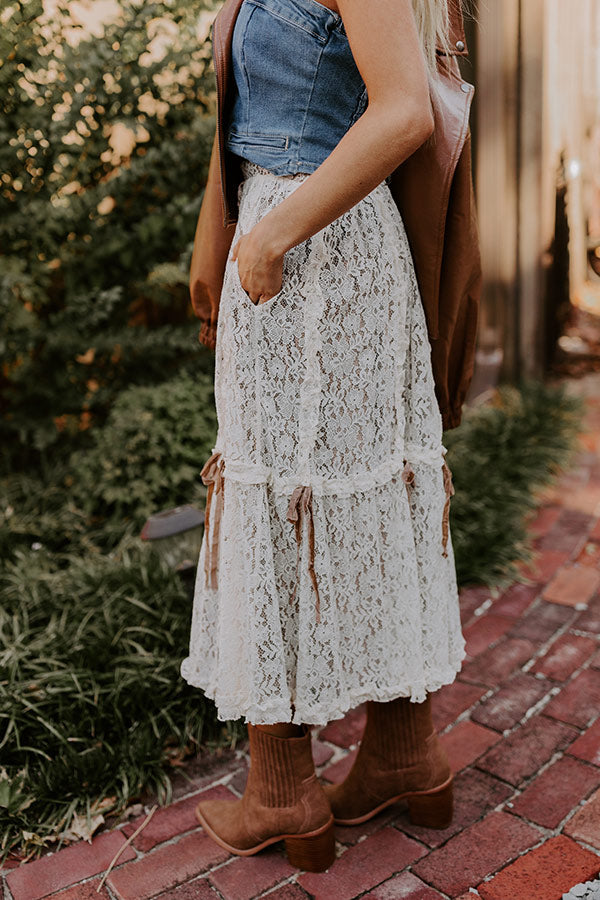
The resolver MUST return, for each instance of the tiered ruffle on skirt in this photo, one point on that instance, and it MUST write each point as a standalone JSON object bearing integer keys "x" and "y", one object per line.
{"x": 326, "y": 575}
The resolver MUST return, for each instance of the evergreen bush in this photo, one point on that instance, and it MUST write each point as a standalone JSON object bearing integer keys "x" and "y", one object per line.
{"x": 502, "y": 454}
{"x": 105, "y": 138}
{"x": 149, "y": 453}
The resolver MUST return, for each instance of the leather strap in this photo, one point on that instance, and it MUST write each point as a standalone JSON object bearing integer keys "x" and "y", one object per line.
{"x": 221, "y": 41}
{"x": 456, "y": 36}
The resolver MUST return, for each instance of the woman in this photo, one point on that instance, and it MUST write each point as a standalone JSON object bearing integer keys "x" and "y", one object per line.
{"x": 326, "y": 574}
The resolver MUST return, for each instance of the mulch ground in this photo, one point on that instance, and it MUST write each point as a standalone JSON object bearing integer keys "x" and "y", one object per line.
{"x": 521, "y": 725}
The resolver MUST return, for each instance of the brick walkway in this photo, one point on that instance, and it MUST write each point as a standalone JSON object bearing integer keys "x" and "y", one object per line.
{"x": 521, "y": 726}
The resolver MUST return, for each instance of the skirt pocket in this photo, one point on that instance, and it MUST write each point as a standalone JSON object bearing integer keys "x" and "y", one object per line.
{"x": 258, "y": 308}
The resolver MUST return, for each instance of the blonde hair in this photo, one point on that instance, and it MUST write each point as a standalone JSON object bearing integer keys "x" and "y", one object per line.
{"x": 433, "y": 26}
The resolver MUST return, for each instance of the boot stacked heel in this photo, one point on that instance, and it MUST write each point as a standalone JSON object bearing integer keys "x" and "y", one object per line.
{"x": 312, "y": 852}
{"x": 432, "y": 810}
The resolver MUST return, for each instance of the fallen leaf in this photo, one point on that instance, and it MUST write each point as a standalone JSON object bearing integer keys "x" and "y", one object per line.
{"x": 80, "y": 828}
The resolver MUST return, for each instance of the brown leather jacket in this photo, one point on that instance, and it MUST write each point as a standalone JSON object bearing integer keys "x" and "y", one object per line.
{"x": 433, "y": 191}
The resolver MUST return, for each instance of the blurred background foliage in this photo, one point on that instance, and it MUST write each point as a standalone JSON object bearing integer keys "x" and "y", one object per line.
{"x": 107, "y": 410}
{"x": 105, "y": 134}
{"x": 106, "y": 398}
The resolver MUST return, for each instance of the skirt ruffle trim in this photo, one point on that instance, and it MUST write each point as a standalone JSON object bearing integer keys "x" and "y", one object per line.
{"x": 216, "y": 471}
{"x": 230, "y": 710}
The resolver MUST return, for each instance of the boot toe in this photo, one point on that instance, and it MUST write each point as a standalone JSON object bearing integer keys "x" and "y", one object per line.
{"x": 222, "y": 820}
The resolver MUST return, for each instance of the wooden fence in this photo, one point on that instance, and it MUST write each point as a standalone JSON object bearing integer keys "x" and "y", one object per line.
{"x": 536, "y": 124}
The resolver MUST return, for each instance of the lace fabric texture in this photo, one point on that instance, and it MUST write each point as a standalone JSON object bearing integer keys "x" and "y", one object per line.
{"x": 326, "y": 575}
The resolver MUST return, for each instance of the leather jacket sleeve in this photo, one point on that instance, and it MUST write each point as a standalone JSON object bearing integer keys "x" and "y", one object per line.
{"x": 212, "y": 243}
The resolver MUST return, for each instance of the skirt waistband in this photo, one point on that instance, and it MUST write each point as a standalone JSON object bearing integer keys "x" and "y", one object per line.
{"x": 249, "y": 169}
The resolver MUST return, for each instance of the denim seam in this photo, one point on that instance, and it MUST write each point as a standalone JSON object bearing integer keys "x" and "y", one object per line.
{"x": 308, "y": 105}
{"x": 354, "y": 117}
{"x": 252, "y": 138}
{"x": 315, "y": 34}
{"x": 245, "y": 67}
{"x": 249, "y": 133}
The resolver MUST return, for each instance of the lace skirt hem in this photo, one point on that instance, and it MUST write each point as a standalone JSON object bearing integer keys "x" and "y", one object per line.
{"x": 230, "y": 710}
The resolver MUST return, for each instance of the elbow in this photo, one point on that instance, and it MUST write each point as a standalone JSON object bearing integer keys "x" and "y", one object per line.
{"x": 426, "y": 125}
{"x": 421, "y": 125}
{"x": 414, "y": 122}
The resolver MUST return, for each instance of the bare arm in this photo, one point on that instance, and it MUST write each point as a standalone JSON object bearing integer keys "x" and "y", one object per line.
{"x": 386, "y": 47}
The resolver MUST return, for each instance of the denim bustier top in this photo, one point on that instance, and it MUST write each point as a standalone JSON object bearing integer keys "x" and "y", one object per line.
{"x": 297, "y": 87}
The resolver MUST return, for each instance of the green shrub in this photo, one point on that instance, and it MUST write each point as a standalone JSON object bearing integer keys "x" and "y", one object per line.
{"x": 92, "y": 705}
{"x": 500, "y": 457}
{"x": 145, "y": 458}
{"x": 149, "y": 454}
{"x": 95, "y": 240}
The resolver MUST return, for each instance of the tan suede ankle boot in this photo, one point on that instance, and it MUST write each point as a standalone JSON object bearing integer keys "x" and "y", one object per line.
{"x": 283, "y": 801}
{"x": 399, "y": 758}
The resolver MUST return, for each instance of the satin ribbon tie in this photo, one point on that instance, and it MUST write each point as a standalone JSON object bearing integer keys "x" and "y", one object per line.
{"x": 408, "y": 474}
{"x": 449, "y": 489}
{"x": 299, "y": 508}
{"x": 212, "y": 476}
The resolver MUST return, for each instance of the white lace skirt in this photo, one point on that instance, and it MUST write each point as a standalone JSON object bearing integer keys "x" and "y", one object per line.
{"x": 326, "y": 575}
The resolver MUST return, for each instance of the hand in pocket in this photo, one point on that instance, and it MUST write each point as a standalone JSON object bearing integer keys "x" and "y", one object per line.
{"x": 260, "y": 269}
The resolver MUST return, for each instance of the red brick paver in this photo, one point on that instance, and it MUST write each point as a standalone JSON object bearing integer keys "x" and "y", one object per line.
{"x": 243, "y": 878}
{"x": 579, "y": 702}
{"x": 50, "y": 873}
{"x": 467, "y": 858}
{"x": 288, "y": 892}
{"x": 554, "y": 793}
{"x": 521, "y": 754}
{"x": 199, "y": 889}
{"x": 585, "y": 824}
{"x": 568, "y": 532}
{"x": 453, "y": 700}
{"x": 544, "y": 520}
{"x": 485, "y": 631}
{"x": 544, "y": 565}
{"x": 493, "y": 667}
{"x": 347, "y": 731}
{"x": 520, "y": 725}
{"x": 475, "y": 794}
{"x": 588, "y": 745}
{"x": 542, "y": 621}
{"x": 354, "y": 834}
{"x": 471, "y": 599}
{"x": 363, "y": 866}
{"x": 573, "y": 585}
{"x": 86, "y": 891}
{"x": 545, "y": 873}
{"x": 589, "y": 620}
{"x": 565, "y": 656}
{"x": 515, "y": 601}
{"x": 466, "y": 742}
{"x": 166, "y": 867}
{"x": 338, "y": 770}
{"x": 508, "y": 706}
{"x": 172, "y": 820}
{"x": 405, "y": 886}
